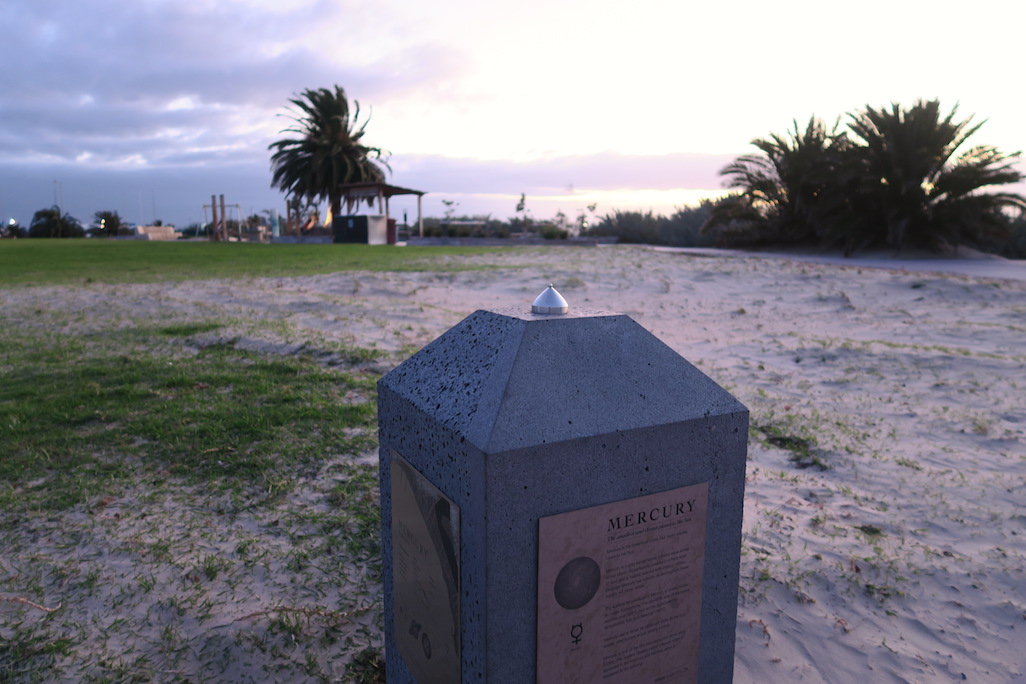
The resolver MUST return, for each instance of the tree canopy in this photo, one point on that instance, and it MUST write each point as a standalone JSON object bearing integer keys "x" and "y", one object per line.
{"x": 329, "y": 151}
{"x": 51, "y": 222}
{"x": 106, "y": 223}
{"x": 896, "y": 177}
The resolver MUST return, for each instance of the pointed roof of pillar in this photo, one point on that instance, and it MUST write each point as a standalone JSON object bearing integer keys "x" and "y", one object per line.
{"x": 507, "y": 380}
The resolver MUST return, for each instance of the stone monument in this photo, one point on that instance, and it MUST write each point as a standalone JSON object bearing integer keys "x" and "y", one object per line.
{"x": 561, "y": 502}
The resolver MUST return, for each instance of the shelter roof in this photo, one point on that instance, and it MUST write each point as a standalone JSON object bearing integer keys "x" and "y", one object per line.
{"x": 361, "y": 190}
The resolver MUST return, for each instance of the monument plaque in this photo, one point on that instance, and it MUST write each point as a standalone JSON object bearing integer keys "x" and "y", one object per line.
{"x": 426, "y": 576}
{"x": 599, "y": 479}
{"x": 620, "y": 590}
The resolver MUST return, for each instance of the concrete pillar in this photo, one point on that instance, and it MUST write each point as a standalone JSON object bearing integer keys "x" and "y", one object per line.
{"x": 561, "y": 502}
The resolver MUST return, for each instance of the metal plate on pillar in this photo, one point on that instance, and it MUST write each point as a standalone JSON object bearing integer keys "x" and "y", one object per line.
{"x": 426, "y": 576}
{"x": 620, "y": 590}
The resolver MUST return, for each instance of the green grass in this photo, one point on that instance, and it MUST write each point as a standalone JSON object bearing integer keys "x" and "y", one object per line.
{"x": 58, "y": 262}
{"x": 79, "y": 416}
{"x": 154, "y": 476}
{"x": 799, "y": 443}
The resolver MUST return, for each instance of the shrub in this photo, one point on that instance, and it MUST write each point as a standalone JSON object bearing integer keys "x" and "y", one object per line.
{"x": 682, "y": 229}
{"x": 550, "y": 231}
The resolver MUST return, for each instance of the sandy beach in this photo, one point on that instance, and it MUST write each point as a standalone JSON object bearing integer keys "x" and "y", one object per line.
{"x": 885, "y": 526}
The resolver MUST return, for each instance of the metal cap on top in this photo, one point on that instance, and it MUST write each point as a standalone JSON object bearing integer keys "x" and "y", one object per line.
{"x": 550, "y": 302}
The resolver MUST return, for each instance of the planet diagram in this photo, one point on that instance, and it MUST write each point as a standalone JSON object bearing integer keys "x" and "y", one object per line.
{"x": 577, "y": 583}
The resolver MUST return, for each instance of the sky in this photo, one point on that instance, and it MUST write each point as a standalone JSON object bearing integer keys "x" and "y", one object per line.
{"x": 150, "y": 107}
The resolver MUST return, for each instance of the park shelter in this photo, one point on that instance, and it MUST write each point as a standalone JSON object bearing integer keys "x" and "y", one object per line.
{"x": 354, "y": 193}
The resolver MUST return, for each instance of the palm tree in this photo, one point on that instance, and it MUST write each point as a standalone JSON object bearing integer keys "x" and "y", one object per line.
{"x": 51, "y": 223}
{"x": 915, "y": 188}
{"x": 329, "y": 152}
{"x": 896, "y": 181}
{"x": 779, "y": 188}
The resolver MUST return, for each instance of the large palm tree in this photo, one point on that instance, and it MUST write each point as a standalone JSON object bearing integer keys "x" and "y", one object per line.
{"x": 916, "y": 189}
{"x": 779, "y": 188}
{"x": 329, "y": 151}
{"x": 896, "y": 180}
{"x": 51, "y": 223}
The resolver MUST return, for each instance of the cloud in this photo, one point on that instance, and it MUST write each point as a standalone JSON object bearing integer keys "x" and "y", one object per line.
{"x": 168, "y": 83}
{"x": 562, "y": 174}
{"x": 140, "y": 195}
{"x": 177, "y": 100}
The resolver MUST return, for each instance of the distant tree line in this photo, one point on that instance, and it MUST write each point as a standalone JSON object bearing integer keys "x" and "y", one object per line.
{"x": 51, "y": 222}
{"x": 683, "y": 228}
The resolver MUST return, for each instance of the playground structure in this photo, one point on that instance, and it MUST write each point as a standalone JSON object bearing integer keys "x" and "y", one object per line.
{"x": 219, "y": 220}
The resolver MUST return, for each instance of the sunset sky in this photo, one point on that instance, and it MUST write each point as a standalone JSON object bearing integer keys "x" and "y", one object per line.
{"x": 150, "y": 107}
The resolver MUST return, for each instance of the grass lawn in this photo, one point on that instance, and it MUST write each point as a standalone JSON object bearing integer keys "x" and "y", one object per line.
{"x": 57, "y": 262}
{"x": 176, "y": 508}
{"x": 80, "y": 418}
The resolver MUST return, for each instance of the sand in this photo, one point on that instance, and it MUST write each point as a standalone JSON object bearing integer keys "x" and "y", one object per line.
{"x": 892, "y": 548}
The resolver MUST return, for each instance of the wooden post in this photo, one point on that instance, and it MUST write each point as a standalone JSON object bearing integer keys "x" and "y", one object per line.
{"x": 224, "y": 222}
{"x": 213, "y": 219}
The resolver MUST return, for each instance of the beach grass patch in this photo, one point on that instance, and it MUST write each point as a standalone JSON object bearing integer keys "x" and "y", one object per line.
{"x": 20, "y": 656}
{"x": 368, "y": 667}
{"x": 906, "y": 462}
{"x": 189, "y": 329}
{"x": 799, "y": 444}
